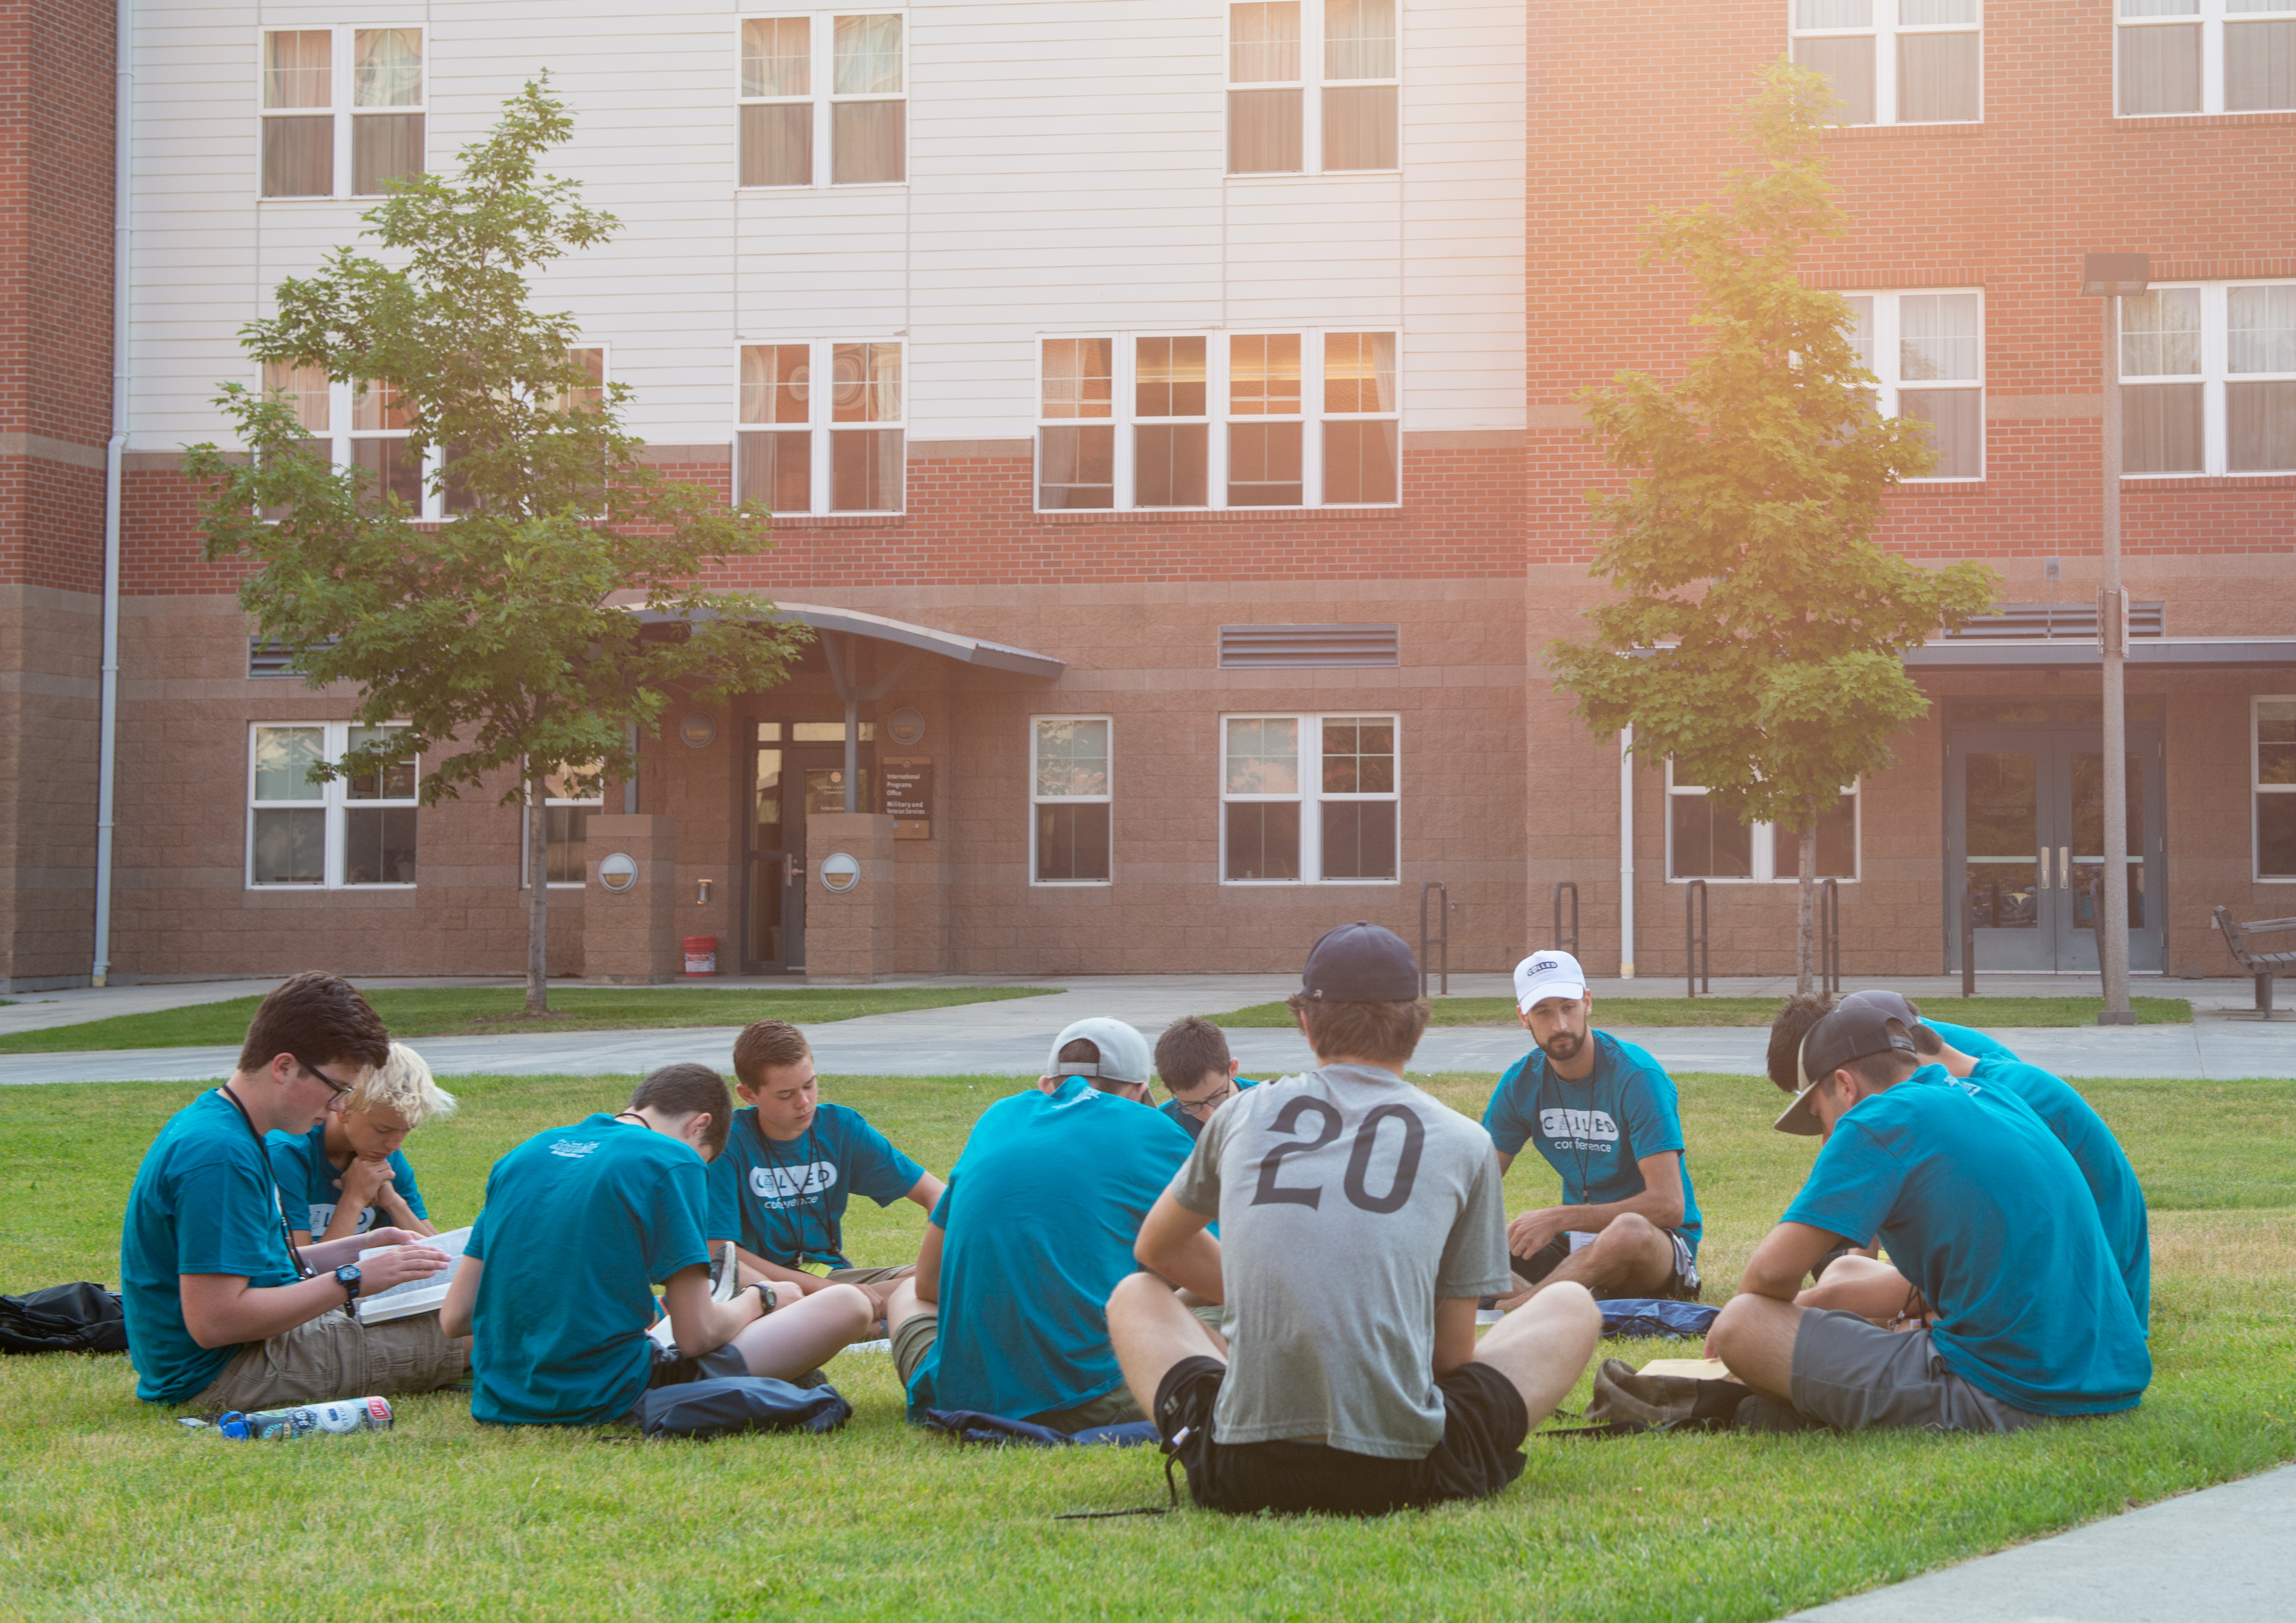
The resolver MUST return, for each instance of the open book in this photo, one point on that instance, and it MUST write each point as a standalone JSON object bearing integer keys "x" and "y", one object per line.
{"x": 416, "y": 1295}
{"x": 723, "y": 1285}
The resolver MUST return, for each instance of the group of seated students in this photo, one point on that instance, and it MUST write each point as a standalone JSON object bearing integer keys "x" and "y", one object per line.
{"x": 1285, "y": 1277}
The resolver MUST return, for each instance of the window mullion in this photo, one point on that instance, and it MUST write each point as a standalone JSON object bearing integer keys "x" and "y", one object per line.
{"x": 820, "y": 41}
{"x": 2216, "y": 364}
{"x": 1311, "y": 423}
{"x": 1216, "y": 403}
{"x": 1885, "y": 69}
{"x": 1311, "y": 87}
{"x": 1123, "y": 399}
{"x": 1311, "y": 806}
{"x": 820, "y": 397}
{"x": 2212, "y": 50}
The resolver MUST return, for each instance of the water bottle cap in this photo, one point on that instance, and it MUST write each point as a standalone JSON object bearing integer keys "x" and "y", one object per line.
{"x": 234, "y": 1424}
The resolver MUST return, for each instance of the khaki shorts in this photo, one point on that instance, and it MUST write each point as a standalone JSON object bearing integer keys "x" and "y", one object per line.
{"x": 914, "y": 1336}
{"x": 869, "y": 1276}
{"x": 335, "y": 1356}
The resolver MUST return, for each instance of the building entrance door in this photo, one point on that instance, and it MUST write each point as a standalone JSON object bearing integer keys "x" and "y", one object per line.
{"x": 2025, "y": 828}
{"x": 787, "y": 779}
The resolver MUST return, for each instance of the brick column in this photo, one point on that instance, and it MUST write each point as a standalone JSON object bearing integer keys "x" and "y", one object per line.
{"x": 849, "y": 938}
{"x": 629, "y": 938}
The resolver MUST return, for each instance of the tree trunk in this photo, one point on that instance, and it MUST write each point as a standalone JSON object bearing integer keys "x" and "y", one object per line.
{"x": 1807, "y": 908}
{"x": 537, "y": 906}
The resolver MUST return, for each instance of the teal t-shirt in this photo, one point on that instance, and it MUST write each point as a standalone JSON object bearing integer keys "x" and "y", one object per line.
{"x": 1977, "y": 1045}
{"x": 786, "y": 1202}
{"x": 580, "y": 1223}
{"x": 1594, "y": 1132}
{"x": 203, "y": 1202}
{"x": 2119, "y": 1197}
{"x": 310, "y": 1184}
{"x": 1039, "y": 1222}
{"x": 1982, "y": 1207}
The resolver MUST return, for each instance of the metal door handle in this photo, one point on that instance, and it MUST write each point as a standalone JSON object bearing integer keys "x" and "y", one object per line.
{"x": 2065, "y": 867}
{"x": 2045, "y": 868}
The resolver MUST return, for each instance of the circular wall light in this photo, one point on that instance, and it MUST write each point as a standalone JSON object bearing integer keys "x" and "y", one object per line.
{"x": 699, "y": 729}
{"x": 906, "y": 726}
{"x": 839, "y": 872}
{"x": 617, "y": 871}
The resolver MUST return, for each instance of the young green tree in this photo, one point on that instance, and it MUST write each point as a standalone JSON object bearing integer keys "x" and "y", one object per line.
{"x": 1757, "y": 629}
{"x": 505, "y": 637}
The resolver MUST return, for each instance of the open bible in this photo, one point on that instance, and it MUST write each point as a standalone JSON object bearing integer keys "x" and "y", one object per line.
{"x": 416, "y": 1295}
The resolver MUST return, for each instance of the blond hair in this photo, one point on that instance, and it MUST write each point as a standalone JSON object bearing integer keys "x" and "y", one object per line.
{"x": 403, "y": 1084}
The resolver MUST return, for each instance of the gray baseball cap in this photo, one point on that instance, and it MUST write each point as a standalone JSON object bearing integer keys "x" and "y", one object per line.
{"x": 1124, "y": 1055}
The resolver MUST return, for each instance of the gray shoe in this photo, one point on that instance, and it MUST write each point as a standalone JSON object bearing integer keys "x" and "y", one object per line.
{"x": 1632, "y": 1401}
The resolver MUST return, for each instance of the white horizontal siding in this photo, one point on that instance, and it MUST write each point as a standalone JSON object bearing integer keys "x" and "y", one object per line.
{"x": 1066, "y": 163}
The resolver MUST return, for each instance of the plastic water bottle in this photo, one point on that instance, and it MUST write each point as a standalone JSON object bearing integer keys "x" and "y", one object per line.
{"x": 338, "y": 1419}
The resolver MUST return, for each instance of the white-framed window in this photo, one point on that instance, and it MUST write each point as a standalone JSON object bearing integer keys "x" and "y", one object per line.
{"x": 1071, "y": 791}
{"x": 342, "y": 109}
{"x": 1308, "y": 799}
{"x": 1704, "y": 841}
{"x": 2209, "y": 379}
{"x": 1928, "y": 349}
{"x": 1215, "y": 420}
{"x": 2203, "y": 56}
{"x": 2272, "y": 770}
{"x": 839, "y": 449}
{"x": 1315, "y": 86}
{"x": 366, "y": 425}
{"x": 303, "y": 833}
{"x": 1896, "y": 62}
{"x": 824, "y": 99}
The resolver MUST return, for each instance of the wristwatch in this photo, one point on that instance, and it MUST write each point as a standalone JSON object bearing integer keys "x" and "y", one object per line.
{"x": 347, "y": 1277}
{"x": 766, "y": 1295}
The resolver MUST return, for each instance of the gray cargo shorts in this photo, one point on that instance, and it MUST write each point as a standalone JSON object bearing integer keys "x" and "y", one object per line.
{"x": 1851, "y": 1373}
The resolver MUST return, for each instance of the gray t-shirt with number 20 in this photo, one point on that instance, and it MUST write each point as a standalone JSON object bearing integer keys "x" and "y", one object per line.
{"x": 1349, "y": 1203}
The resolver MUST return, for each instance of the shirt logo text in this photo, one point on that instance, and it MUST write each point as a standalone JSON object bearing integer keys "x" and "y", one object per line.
{"x": 1594, "y": 1126}
{"x": 782, "y": 1185}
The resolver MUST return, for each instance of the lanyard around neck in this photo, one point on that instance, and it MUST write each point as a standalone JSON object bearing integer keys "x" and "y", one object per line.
{"x": 286, "y": 1229}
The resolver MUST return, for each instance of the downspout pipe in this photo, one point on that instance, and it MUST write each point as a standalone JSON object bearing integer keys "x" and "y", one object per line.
{"x": 1626, "y": 852}
{"x": 114, "y": 452}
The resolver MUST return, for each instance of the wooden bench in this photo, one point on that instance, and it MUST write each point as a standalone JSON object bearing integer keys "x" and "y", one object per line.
{"x": 2264, "y": 966}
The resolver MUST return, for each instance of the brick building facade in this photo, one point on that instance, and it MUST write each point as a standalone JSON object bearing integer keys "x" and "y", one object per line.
{"x": 1163, "y": 738}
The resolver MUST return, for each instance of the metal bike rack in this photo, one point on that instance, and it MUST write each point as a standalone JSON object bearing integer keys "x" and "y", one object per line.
{"x": 1442, "y": 939}
{"x": 1566, "y": 943}
{"x": 1699, "y": 967}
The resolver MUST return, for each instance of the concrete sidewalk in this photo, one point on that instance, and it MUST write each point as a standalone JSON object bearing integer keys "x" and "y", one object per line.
{"x": 1014, "y": 1038}
{"x": 2227, "y": 1552}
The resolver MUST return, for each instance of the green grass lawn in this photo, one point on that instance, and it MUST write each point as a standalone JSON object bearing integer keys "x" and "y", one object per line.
{"x": 479, "y": 1010}
{"x": 1989, "y": 1013}
{"x": 114, "y": 1512}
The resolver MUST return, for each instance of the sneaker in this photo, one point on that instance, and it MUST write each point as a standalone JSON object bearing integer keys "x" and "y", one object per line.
{"x": 1632, "y": 1401}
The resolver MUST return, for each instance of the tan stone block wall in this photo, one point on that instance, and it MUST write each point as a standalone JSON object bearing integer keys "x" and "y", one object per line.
{"x": 849, "y": 935}
{"x": 629, "y": 937}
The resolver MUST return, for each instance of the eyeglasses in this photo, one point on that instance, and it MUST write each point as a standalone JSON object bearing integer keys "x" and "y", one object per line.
{"x": 1209, "y": 1103}
{"x": 341, "y": 1088}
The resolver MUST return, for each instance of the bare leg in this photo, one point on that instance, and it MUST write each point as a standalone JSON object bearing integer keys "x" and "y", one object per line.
{"x": 1152, "y": 1331}
{"x": 806, "y": 1334}
{"x": 902, "y": 1303}
{"x": 1544, "y": 1346}
{"x": 1633, "y": 1257}
{"x": 1755, "y": 1337}
{"x": 1858, "y": 1284}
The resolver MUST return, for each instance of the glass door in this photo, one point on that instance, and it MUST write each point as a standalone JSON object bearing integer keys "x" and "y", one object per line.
{"x": 787, "y": 781}
{"x": 2000, "y": 840}
{"x": 2080, "y": 858}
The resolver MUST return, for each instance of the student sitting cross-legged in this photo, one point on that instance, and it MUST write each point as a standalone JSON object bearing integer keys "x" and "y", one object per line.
{"x": 791, "y": 1162}
{"x": 1603, "y": 1114}
{"x": 1006, "y": 1313}
{"x": 1359, "y": 1220}
{"x": 2014, "y": 1310}
{"x": 581, "y": 1222}
{"x": 348, "y": 1175}
{"x": 1861, "y": 1284}
{"x": 223, "y": 1309}
{"x": 1196, "y": 1069}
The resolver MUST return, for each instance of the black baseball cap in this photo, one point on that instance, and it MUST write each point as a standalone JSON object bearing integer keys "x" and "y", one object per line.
{"x": 1843, "y": 1037}
{"x": 1360, "y": 963}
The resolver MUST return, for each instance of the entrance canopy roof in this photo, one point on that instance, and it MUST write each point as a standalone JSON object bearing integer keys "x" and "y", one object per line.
{"x": 2184, "y": 653}
{"x": 926, "y": 639}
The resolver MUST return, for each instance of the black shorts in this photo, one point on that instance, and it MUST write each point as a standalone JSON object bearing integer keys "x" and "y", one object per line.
{"x": 1484, "y": 1423}
{"x": 1682, "y": 1287}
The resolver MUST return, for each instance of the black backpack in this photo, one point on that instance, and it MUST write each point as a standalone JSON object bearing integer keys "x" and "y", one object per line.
{"x": 64, "y": 1318}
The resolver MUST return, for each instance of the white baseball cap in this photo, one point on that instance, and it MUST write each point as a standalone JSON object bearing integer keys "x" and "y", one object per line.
{"x": 1124, "y": 1055}
{"x": 1544, "y": 975}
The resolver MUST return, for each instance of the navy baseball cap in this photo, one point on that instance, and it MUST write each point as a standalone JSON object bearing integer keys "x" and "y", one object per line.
{"x": 1360, "y": 963}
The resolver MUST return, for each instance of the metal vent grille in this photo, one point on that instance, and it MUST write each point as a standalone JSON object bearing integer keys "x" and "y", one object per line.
{"x": 1308, "y": 647}
{"x": 2074, "y": 620}
{"x": 270, "y": 659}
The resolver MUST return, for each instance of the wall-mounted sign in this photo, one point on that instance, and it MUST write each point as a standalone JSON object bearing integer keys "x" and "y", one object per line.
{"x": 699, "y": 729}
{"x": 839, "y": 872}
{"x": 908, "y": 796}
{"x": 617, "y": 871}
{"x": 907, "y": 726}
